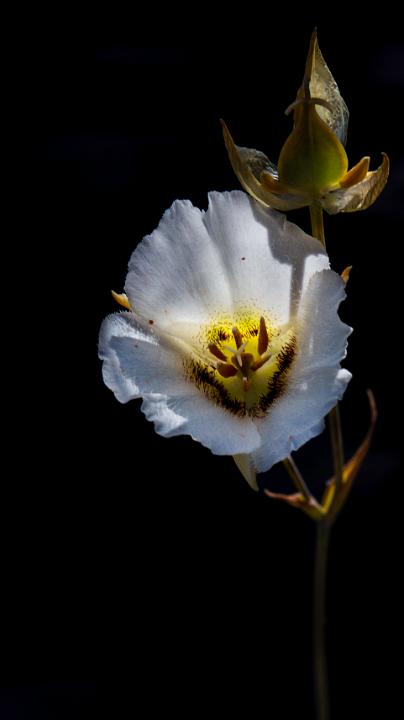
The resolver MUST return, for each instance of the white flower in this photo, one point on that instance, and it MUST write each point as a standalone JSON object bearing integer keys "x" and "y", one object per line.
{"x": 233, "y": 337}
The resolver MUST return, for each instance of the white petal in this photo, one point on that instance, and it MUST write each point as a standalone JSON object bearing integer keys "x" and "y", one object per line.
{"x": 316, "y": 381}
{"x": 322, "y": 335}
{"x": 298, "y": 415}
{"x": 235, "y": 254}
{"x": 268, "y": 260}
{"x": 115, "y": 326}
{"x": 214, "y": 427}
{"x": 139, "y": 364}
{"x": 175, "y": 274}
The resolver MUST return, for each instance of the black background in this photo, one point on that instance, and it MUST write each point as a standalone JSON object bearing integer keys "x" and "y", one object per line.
{"x": 149, "y": 563}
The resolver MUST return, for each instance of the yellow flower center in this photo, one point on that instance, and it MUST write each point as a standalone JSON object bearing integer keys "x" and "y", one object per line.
{"x": 243, "y": 366}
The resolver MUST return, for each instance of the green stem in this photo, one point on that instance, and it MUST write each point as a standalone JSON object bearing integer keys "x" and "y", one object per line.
{"x": 323, "y": 536}
{"x": 296, "y": 477}
{"x": 337, "y": 445}
{"x": 319, "y": 621}
{"x": 317, "y": 229}
{"x": 317, "y": 223}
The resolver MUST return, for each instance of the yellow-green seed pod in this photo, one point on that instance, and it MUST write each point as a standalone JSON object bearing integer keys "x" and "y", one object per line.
{"x": 313, "y": 159}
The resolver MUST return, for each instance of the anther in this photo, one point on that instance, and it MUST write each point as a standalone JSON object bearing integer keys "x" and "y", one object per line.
{"x": 262, "y": 337}
{"x": 261, "y": 361}
{"x": 217, "y": 352}
{"x": 226, "y": 370}
{"x": 237, "y": 336}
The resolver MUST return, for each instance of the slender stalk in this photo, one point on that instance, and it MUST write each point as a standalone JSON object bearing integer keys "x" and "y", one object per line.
{"x": 296, "y": 477}
{"x": 319, "y": 620}
{"x": 337, "y": 444}
{"x": 317, "y": 229}
{"x": 323, "y": 536}
{"x": 317, "y": 223}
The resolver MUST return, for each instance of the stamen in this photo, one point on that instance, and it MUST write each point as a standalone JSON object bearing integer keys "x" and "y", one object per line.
{"x": 226, "y": 370}
{"x": 237, "y": 336}
{"x": 262, "y": 337}
{"x": 246, "y": 359}
{"x": 217, "y": 352}
{"x": 261, "y": 361}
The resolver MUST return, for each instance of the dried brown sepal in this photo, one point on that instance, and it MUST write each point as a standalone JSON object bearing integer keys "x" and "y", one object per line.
{"x": 356, "y": 174}
{"x": 311, "y": 507}
{"x": 121, "y": 299}
{"x": 332, "y": 501}
{"x": 346, "y": 273}
{"x": 322, "y": 85}
{"x": 258, "y": 176}
{"x": 359, "y": 196}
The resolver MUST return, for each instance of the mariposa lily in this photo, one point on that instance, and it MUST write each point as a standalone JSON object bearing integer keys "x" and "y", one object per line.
{"x": 231, "y": 333}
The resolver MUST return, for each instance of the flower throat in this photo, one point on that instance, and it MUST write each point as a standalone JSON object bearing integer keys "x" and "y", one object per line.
{"x": 244, "y": 365}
